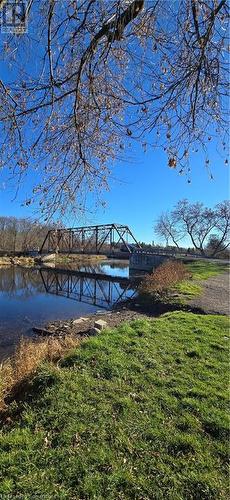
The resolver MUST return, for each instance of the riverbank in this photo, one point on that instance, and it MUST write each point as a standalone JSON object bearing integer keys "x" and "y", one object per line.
{"x": 193, "y": 291}
{"x": 8, "y": 261}
{"x": 137, "y": 405}
{"x": 135, "y": 412}
{"x": 39, "y": 294}
{"x": 25, "y": 261}
{"x": 191, "y": 295}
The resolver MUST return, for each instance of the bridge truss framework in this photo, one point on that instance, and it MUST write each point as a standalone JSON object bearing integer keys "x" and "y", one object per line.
{"x": 99, "y": 239}
{"x": 98, "y": 290}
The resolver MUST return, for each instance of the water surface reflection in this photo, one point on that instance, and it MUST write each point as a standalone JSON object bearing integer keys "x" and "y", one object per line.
{"x": 30, "y": 297}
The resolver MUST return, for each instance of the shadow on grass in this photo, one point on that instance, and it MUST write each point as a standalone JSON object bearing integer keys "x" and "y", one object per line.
{"x": 27, "y": 391}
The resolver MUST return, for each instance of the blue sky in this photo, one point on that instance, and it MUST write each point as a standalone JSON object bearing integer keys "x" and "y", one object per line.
{"x": 145, "y": 187}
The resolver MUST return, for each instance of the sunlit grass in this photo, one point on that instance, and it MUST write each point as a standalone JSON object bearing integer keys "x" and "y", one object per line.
{"x": 187, "y": 290}
{"x": 202, "y": 270}
{"x": 139, "y": 412}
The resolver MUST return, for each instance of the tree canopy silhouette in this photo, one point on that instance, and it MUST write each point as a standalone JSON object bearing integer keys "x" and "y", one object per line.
{"x": 207, "y": 228}
{"x": 92, "y": 76}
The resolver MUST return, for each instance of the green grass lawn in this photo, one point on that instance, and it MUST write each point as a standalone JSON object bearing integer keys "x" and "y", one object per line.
{"x": 200, "y": 271}
{"x": 135, "y": 413}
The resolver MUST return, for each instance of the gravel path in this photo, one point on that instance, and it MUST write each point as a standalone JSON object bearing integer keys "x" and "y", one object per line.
{"x": 215, "y": 296}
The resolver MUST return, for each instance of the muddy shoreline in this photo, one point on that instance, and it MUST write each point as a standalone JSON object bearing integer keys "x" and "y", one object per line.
{"x": 80, "y": 327}
{"x": 78, "y": 259}
{"x": 84, "y": 326}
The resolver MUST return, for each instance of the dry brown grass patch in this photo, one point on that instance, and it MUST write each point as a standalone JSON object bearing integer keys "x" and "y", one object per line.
{"x": 158, "y": 283}
{"x": 28, "y": 355}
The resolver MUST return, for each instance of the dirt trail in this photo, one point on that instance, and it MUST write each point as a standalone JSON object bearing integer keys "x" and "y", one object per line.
{"x": 215, "y": 295}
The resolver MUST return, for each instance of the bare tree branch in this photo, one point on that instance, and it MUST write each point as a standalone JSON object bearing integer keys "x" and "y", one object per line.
{"x": 88, "y": 80}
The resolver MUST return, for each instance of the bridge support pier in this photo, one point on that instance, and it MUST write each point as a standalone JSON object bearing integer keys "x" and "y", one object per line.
{"x": 144, "y": 261}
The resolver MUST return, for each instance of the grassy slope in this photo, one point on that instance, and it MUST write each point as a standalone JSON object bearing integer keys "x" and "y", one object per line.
{"x": 136, "y": 413}
{"x": 200, "y": 270}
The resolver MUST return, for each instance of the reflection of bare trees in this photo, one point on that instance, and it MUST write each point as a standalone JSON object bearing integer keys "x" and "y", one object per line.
{"x": 94, "y": 268}
{"x": 118, "y": 264}
{"x": 23, "y": 283}
{"x": 87, "y": 285}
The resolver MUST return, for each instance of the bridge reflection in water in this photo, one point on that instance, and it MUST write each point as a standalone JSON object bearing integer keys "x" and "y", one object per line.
{"x": 91, "y": 288}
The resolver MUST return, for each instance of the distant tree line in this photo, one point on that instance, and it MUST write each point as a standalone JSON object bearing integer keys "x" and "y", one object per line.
{"x": 21, "y": 235}
{"x": 207, "y": 228}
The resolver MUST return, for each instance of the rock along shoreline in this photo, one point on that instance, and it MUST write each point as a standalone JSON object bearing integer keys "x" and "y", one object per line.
{"x": 88, "y": 325}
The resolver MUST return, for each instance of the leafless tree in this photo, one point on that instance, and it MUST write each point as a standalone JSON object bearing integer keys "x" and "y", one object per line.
{"x": 199, "y": 223}
{"x": 21, "y": 234}
{"x": 166, "y": 228}
{"x": 92, "y": 76}
{"x": 213, "y": 243}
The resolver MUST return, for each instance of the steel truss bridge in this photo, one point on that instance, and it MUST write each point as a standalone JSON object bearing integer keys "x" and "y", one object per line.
{"x": 90, "y": 288}
{"x": 106, "y": 239}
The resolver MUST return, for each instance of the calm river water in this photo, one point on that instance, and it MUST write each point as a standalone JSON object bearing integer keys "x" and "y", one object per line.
{"x": 32, "y": 297}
